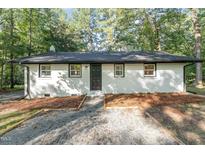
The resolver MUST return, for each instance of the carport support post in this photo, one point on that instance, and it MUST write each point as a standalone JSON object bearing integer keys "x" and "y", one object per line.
{"x": 27, "y": 82}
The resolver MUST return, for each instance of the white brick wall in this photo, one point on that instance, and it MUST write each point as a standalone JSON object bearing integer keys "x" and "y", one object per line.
{"x": 169, "y": 78}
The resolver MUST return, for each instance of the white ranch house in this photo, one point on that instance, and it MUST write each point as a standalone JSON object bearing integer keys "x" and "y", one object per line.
{"x": 57, "y": 74}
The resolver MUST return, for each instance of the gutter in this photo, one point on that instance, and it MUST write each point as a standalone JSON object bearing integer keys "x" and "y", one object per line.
{"x": 110, "y": 61}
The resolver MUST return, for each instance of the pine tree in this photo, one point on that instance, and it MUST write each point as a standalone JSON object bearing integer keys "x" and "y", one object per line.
{"x": 197, "y": 49}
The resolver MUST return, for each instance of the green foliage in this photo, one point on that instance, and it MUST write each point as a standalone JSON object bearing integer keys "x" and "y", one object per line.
{"x": 35, "y": 30}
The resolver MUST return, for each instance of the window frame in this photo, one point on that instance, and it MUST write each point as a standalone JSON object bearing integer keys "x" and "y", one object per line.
{"x": 155, "y": 70}
{"x": 40, "y": 71}
{"x": 74, "y": 76}
{"x": 123, "y": 71}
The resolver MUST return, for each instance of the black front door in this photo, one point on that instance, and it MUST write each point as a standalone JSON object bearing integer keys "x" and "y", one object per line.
{"x": 95, "y": 77}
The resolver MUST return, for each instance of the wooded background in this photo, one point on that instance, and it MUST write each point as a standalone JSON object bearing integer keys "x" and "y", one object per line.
{"x": 26, "y": 32}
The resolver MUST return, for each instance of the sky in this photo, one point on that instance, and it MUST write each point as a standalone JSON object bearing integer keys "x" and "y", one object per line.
{"x": 69, "y": 11}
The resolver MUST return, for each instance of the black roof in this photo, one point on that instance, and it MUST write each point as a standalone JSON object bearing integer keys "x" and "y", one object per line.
{"x": 105, "y": 57}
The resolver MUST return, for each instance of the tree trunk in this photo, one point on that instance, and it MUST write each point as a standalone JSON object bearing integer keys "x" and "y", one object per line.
{"x": 11, "y": 50}
{"x": 157, "y": 37}
{"x": 2, "y": 75}
{"x": 90, "y": 32}
{"x": 30, "y": 31}
{"x": 2, "y": 69}
{"x": 197, "y": 49}
{"x": 155, "y": 26}
{"x": 11, "y": 73}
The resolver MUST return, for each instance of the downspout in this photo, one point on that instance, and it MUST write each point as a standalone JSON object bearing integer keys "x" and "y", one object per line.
{"x": 185, "y": 66}
{"x": 28, "y": 81}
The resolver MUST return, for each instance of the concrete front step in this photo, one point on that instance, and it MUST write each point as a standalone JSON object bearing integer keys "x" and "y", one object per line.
{"x": 95, "y": 93}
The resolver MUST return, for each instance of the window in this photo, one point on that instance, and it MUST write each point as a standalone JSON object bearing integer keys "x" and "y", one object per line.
{"x": 149, "y": 69}
{"x": 119, "y": 70}
{"x": 75, "y": 70}
{"x": 45, "y": 70}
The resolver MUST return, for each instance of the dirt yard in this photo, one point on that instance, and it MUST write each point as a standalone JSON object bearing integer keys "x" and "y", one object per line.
{"x": 147, "y": 100}
{"x": 15, "y": 112}
{"x": 47, "y": 103}
{"x": 185, "y": 121}
{"x": 183, "y": 115}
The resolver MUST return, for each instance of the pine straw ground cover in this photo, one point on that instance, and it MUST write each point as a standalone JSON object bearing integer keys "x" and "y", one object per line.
{"x": 183, "y": 115}
{"x": 14, "y": 113}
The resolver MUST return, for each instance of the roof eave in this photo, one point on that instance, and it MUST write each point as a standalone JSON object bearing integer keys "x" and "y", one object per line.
{"x": 108, "y": 62}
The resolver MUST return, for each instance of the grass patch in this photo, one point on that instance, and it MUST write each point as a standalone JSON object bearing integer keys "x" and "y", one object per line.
{"x": 3, "y": 117}
{"x": 192, "y": 89}
{"x": 11, "y": 120}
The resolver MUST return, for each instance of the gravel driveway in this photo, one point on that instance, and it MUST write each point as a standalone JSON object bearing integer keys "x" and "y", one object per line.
{"x": 90, "y": 125}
